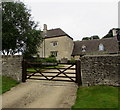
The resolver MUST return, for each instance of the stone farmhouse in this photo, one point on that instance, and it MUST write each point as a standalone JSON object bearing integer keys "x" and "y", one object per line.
{"x": 58, "y": 43}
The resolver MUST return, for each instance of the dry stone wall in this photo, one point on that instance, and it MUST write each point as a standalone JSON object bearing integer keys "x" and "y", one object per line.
{"x": 100, "y": 70}
{"x": 12, "y": 67}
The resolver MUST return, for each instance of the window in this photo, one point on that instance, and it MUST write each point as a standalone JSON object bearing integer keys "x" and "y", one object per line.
{"x": 54, "y": 43}
{"x": 83, "y": 48}
{"x": 101, "y": 47}
{"x": 54, "y": 53}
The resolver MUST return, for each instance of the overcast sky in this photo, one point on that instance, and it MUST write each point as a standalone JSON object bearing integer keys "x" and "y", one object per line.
{"x": 77, "y": 18}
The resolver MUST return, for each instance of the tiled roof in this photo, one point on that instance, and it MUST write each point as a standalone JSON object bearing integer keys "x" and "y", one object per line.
{"x": 56, "y": 33}
{"x": 110, "y": 46}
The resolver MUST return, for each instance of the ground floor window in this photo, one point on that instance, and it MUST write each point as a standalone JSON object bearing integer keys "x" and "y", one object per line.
{"x": 55, "y": 53}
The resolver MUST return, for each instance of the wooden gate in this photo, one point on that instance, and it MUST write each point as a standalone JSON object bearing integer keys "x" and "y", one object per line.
{"x": 52, "y": 71}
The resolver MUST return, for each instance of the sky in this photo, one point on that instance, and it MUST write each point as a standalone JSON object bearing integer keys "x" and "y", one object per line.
{"x": 77, "y": 18}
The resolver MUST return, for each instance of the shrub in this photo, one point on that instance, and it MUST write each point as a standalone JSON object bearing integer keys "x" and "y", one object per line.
{"x": 72, "y": 61}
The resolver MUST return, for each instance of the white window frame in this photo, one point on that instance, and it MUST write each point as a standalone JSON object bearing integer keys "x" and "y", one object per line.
{"x": 83, "y": 48}
{"x": 101, "y": 47}
{"x": 54, "y": 43}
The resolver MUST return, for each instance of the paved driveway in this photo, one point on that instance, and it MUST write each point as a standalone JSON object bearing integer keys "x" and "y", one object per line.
{"x": 41, "y": 94}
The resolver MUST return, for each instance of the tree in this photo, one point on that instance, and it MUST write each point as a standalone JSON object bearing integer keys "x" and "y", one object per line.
{"x": 85, "y": 38}
{"x": 19, "y": 32}
{"x": 94, "y": 37}
{"x": 91, "y": 38}
{"x": 110, "y": 33}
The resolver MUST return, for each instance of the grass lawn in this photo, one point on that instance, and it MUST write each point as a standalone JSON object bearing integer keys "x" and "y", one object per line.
{"x": 97, "y": 97}
{"x": 32, "y": 70}
{"x": 7, "y": 83}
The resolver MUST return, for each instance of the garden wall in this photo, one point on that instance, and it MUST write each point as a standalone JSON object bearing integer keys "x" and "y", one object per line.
{"x": 100, "y": 70}
{"x": 12, "y": 67}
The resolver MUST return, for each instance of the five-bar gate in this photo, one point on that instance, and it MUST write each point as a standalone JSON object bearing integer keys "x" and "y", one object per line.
{"x": 52, "y": 71}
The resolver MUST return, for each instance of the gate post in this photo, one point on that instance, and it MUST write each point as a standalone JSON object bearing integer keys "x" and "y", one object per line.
{"x": 78, "y": 73}
{"x": 24, "y": 70}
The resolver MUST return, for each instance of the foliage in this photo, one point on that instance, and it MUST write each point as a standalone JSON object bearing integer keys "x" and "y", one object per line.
{"x": 110, "y": 33}
{"x": 72, "y": 60}
{"x": 94, "y": 37}
{"x": 85, "y": 38}
{"x": 91, "y": 38}
{"x": 50, "y": 59}
{"x": 19, "y": 32}
{"x": 97, "y": 97}
{"x": 7, "y": 83}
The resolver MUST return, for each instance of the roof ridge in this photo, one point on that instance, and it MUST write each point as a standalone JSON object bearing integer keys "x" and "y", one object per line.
{"x": 54, "y": 29}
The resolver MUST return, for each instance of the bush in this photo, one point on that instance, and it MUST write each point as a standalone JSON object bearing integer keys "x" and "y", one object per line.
{"x": 72, "y": 61}
{"x": 50, "y": 59}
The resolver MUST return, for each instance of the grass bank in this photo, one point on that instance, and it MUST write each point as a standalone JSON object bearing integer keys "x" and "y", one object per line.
{"x": 7, "y": 84}
{"x": 97, "y": 97}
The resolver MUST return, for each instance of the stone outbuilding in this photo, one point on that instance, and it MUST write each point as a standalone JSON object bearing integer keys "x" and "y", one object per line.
{"x": 95, "y": 47}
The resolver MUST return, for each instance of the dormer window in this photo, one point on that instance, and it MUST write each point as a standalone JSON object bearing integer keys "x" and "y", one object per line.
{"x": 101, "y": 47}
{"x": 83, "y": 48}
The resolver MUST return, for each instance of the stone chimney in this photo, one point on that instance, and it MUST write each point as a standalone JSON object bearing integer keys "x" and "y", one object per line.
{"x": 44, "y": 30}
{"x": 45, "y": 27}
{"x": 114, "y": 32}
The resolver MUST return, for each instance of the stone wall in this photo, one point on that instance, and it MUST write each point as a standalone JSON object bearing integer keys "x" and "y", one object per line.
{"x": 12, "y": 67}
{"x": 103, "y": 69}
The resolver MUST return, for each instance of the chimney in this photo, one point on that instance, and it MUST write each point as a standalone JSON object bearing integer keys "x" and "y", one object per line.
{"x": 45, "y": 27}
{"x": 114, "y": 32}
{"x": 44, "y": 30}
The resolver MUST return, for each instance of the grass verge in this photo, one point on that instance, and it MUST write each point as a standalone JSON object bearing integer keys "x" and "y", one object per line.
{"x": 7, "y": 84}
{"x": 97, "y": 97}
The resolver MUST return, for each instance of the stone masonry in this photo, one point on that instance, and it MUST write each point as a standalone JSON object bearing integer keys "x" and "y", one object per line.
{"x": 12, "y": 67}
{"x": 103, "y": 69}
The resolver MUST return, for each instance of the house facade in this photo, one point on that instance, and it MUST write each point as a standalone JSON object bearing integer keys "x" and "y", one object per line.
{"x": 56, "y": 42}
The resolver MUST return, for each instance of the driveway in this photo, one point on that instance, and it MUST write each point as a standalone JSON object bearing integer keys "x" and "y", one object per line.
{"x": 41, "y": 94}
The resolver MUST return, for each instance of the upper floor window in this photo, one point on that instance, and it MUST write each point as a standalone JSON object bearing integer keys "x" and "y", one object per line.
{"x": 83, "y": 48}
{"x": 101, "y": 47}
{"x": 54, "y": 43}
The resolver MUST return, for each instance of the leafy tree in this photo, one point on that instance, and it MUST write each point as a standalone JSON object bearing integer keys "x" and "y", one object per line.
{"x": 19, "y": 32}
{"x": 85, "y": 38}
{"x": 90, "y": 38}
{"x": 94, "y": 37}
{"x": 110, "y": 33}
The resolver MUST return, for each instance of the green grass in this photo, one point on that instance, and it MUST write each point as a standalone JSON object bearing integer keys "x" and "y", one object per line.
{"x": 7, "y": 84}
{"x": 33, "y": 70}
{"x": 97, "y": 97}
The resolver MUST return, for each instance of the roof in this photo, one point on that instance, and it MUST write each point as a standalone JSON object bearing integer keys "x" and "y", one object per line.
{"x": 110, "y": 46}
{"x": 56, "y": 33}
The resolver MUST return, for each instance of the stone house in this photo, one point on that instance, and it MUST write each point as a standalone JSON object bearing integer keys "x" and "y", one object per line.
{"x": 56, "y": 42}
